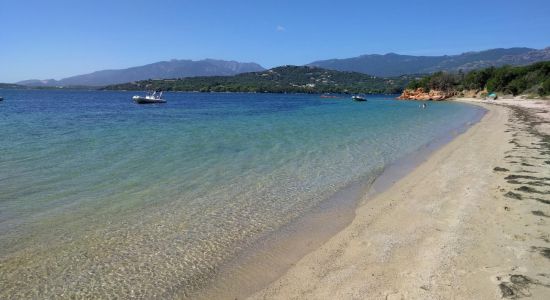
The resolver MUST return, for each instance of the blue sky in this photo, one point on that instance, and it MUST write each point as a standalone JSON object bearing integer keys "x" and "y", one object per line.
{"x": 60, "y": 38}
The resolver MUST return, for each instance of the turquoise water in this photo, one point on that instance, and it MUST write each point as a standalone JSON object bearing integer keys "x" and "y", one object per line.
{"x": 100, "y": 196}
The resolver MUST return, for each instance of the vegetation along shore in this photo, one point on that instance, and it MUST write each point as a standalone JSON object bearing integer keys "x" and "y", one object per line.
{"x": 532, "y": 80}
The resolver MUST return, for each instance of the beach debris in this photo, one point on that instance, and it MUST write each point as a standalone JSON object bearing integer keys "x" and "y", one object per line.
{"x": 513, "y": 195}
{"x": 499, "y": 169}
{"x": 540, "y": 213}
{"x": 537, "y": 183}
{"x": 527, "y": 189}
{"x": 514, "y": 182}
{"x": 517, "y": 287}
{"x": 544, "y": 251}
{"x": 509, "y": 291}
{"x": 542, "y": 200}
{"x": 525, "y": 177}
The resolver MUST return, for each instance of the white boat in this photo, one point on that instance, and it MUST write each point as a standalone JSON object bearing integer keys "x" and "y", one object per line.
{"x": 358, "y": 98}
{"x": 151, "y": 97}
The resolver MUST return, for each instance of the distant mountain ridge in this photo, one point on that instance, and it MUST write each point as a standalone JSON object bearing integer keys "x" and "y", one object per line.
{"x": 382, "y": 65}
{"x": 392, "y": 64}
{"x": 164, "y": 69}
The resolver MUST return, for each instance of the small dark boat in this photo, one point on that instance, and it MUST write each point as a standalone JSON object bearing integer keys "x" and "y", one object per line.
{"x": 358, "y": 98}
{"x": 150, "y": 98}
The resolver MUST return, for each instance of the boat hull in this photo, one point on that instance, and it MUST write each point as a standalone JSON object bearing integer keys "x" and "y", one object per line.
{"x": 356, "y": 98}
{"x": 143, "y": 100}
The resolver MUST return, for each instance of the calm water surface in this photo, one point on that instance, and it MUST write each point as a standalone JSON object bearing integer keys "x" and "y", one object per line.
{"x": 99, "y": 196}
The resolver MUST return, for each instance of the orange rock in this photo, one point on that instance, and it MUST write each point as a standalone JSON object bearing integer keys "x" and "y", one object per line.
{"x": 420, "y": 94}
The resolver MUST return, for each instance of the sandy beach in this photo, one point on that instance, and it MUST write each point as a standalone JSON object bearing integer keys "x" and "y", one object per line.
{"x": 471, "y": 222}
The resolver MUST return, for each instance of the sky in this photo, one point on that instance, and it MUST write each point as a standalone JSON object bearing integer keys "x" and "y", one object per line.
{"x": 59, "y": 38}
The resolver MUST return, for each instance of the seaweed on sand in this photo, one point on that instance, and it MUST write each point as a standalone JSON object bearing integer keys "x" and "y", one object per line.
{"x": 531, "y": 190}
{"x": 540, "y": 213}
{"x": 518, "y": 286}
{"x": 537, "y": 183}
{"x": 514, "y": 182}
{"x": 513, "y": 176}
{"x": 544, "y": 251}
{"x": 542, "y": 200}
{"x": 513, "y": 195}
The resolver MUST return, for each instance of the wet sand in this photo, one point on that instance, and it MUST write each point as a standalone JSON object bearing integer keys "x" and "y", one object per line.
{"x": 471, "y": 222}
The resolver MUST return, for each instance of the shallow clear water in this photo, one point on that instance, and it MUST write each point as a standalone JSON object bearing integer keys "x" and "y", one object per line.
{"x": 99, "y": 196}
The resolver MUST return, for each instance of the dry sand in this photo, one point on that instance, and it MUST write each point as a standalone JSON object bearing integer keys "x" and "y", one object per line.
{"x": 471, "y": 222}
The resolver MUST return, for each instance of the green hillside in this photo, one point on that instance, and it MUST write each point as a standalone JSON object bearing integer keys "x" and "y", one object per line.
{"x": 286, "y": 79}
{"x": 532, "y": 79}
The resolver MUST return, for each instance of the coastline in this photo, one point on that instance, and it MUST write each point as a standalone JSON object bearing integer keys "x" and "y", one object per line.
{"x": 32, "y": 263}
{"x": 448, "y": 229}
{"x": 278, "y": 252}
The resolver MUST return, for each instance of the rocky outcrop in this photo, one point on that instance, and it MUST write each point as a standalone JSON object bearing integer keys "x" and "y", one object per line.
{"x": 420, "y": 94}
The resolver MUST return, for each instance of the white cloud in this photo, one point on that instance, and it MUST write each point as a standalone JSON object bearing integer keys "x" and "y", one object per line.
{"x": 280, "y": 28}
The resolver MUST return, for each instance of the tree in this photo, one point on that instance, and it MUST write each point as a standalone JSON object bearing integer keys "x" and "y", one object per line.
{"x": 545, "y": 90}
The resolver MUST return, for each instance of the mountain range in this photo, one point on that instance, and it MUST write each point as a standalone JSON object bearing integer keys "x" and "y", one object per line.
{"x": 392, "y": 64}
{"x": 165, "y": 69}
{"x": 381, "y": 65}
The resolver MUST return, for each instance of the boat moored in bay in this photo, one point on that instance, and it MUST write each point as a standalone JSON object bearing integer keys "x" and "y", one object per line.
{"x": 358, "y": 98}
{"x": 150, "y": 98}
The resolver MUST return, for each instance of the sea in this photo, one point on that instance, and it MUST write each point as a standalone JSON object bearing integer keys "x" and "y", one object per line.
{"x": 104, "y": 198}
